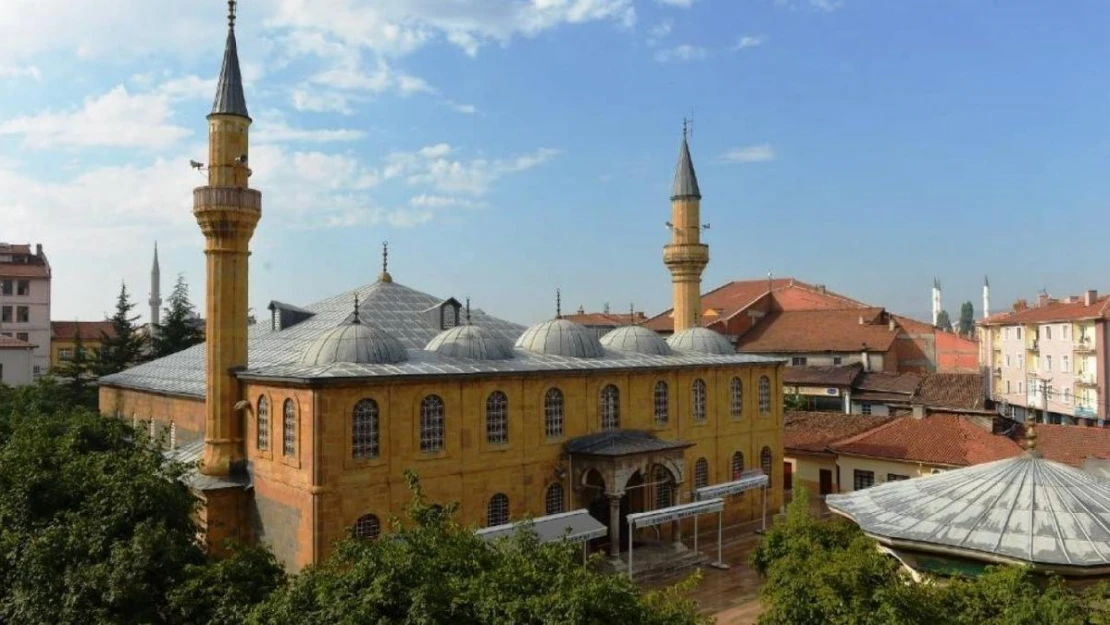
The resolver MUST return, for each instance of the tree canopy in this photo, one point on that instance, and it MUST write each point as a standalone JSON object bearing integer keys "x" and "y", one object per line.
{"x": 179, "y": 328}
{"x": 967, "y": 318}
{"x": 124, "y": 347}
{"x": 827, "y": 572}
{"x": 944, "y": 322}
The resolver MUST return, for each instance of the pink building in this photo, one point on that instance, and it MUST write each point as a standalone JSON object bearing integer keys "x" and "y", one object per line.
{"x": 25, "y": 300}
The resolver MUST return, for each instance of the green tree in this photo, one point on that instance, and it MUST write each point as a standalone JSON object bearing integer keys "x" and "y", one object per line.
{"x": 967, "y": 318}
{"x": 96, "y": 525}
{"x": 433, "y": 570}
{"x": 124, "y": 346}
{"x": 795, "y": 402}
{"x": 178, "y": 330}
{"x": 944, "y": 322}
{"x": 75, "y": 373}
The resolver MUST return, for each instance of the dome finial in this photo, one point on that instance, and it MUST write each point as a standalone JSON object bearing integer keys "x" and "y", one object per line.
{"x": 1031, "y": 437}
{"x": 231, "y": 13}
{"x": 558, "y": 304}
{"x": 356, "y": 318}
{"x": 468, "y": 311}
{"x": 384, "y": 276}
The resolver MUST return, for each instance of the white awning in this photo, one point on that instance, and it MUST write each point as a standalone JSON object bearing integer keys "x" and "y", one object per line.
{"x": 749, "y": 480}
{"x": 575, "y": 526}
{"x": 674, "y": 513}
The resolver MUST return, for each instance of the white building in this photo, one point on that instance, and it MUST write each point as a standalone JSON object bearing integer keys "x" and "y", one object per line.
{"x": 25, "y": 300}
{"x": 15, "y": 362}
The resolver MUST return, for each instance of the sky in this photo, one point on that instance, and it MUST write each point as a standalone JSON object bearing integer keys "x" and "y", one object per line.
{"x": 506, "y": 148}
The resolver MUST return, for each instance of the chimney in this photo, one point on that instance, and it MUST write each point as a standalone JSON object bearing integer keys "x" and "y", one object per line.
{"x": 865, "y": 358}
{"x": 581, "y": 310}
{"x": 1090, "y": 296}
{"x": 919, "y": 411}
{"x": 890, "y": 324}
{"x": 38, "y": 250}
{"x": 1042, "y": 300}
{"x": 821, "y": 288}
{"x": 1021, "y": 305}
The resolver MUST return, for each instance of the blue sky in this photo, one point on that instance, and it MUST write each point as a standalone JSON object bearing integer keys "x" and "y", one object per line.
{"x": 507, "y": 147}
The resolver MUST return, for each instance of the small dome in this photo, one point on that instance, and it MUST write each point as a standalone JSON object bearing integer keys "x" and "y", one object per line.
{"x": 636, "y": 339}
{"x": 701, "y": 340}
{"x": 560, "y": 337}
{"x": 354, "y": 342}
{"x": 470, "y": 341}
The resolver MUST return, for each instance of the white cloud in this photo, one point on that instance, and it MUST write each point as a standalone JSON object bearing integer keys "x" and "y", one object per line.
{"x": 117, "y": 118}
{"x": 441, "y": 201}
{"x": 682, "y": 53}
{"x": 823, "y": 6}
{"x": 749, "y": 154}
{"x": 433, "y": 166}
{"x": 466, "y": 109}
{"x": 685, "y": 4}
{"x": 13, "y": 71}
{"x": 659, "y": 31}
{"x": 271, "y": 127}
{"x": 319, "y": 101}
{"x": 749, "y": 41}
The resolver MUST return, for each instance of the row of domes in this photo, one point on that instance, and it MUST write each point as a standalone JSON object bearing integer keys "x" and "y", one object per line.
{"x": 362, "y": 343}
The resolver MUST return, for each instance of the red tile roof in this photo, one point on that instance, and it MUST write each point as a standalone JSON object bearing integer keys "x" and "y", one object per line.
{"x": 90, "y": 330}
{"x": 24, "y": 270}
{"x": 815, "y": 431}
{"x": 734, "y": 297}
{"x": 842, "y": 375}
{"x": 942, "y": 439}
{"x": 953, "y": 391}
{"x": 897, "y": 383}
{"x": 818, "y": 331}
{"x": 1054, "y": 311}
{"x": 7, "y": 342}
{"x": 1070, "y": 444}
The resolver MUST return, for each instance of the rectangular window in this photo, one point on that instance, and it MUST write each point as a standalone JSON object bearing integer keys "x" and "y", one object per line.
{"x": 23, "y": 336}
{"x": 837, "y": 360}
{"x": 894, "y": 477}
{"x": 1007, "y": 361}
{"x": 6, "y": 314}
{"x": 865, "y": 407}
{"x": 23, "y": 287}
{"x": 1018, "y": 332}
{"x": 22, "y": 314}
{"x": 1007, "y": 387}
{"x": 1006, "y": 333}
{"x": 862, "y": 479}
{"x": 65, "y": 354}
{"x": 1048, "y": 363}
{"x": 798, "y": 361}
{"x": 6, "y": 287}
{"x": 1048, "y": 333}
{"x": 1064, "y": 331}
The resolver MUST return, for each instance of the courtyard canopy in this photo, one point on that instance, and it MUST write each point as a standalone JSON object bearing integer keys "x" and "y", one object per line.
{"x": 575, "y": 526}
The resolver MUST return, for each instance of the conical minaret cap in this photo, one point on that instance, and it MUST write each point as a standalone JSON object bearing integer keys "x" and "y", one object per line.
{"x": 685, "y": 180}
{"x": 229, "y": 89}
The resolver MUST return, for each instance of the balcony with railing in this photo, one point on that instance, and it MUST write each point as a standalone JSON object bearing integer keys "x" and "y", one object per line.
{"x": 1085, "y": 378}
{"x": 1083, "y": 345}
{"x": 1033, "y": 345}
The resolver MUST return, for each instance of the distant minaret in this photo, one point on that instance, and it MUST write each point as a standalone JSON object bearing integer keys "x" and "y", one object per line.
{"x": 986, "y": 297}
{"x": 155, "y": 293}
{"x": 686, "y": 256}
{"x": 936, "y": 301}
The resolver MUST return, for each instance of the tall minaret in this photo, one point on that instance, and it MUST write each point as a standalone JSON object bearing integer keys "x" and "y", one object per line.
{"x": 155, "y": 293}
{"x": 686, "y": 256}
{"x": 936, "y": 301}
{"x": 227, "y": 212}
{"x": 986, "y": 297}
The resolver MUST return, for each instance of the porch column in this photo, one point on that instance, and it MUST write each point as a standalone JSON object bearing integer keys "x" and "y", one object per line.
{"x": 615, "y": 525}
{"x": 676, "y": 535}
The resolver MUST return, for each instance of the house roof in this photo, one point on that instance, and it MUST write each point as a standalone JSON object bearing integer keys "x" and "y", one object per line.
{"x": 7, "y": 342}
{"x": 1054, "y": 311}
{"x": 1070, "y": 444}
{"x": 953, "y": 391}
{"x": 89, "y": 330}
{"x": 942, "y": 439}
{"x": 815, "y": 431}
{"x": 818, "y": 331}
{"x": 620, "y": 443}
{"x": 840, "y": 375}
{"x": 889, "y": 383}
{"x": 734, "y": 297}
{"x": 24, "y": 270}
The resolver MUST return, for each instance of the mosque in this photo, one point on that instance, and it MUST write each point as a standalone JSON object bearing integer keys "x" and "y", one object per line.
{"x": 302, "y": 426}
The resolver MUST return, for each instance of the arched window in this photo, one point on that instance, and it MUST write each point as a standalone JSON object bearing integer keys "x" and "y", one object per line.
{"x": 764, "y": 395}
{"x": 262, "y": 438}
{"x": 662, "y": 403}
{"x": 364, "y": 429}
{"x": 431, "y": 423}
{"x": 610, "y": 408}
{"x": 697, "y": 395}
{"x": 737, "y": 465}
{"x": 553, "y": 413}
{"x": 736, "y": 397}
{"x": 765, "y": 463}
{"x": 553, "y": 502}
{"x": 497, "y": 418}
{"x": 289, "y": 428}
{"x": 701, "y": 473}
{"x": 368, "y": 527}
{"x": 497, "y": 512}
{"x": 663, "y": 484}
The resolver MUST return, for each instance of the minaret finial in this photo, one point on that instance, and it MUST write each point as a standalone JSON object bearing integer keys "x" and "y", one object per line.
{"x": 231, "y": 13}
{"x": 468, "y": 311}
{"x": 685, "y": 128}
{"x": 558, "y": 304}
{"x": 384, "y": 276}
{"x": 356, "y": 319}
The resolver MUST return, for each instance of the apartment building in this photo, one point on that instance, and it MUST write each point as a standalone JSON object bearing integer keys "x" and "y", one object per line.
{"x": 1049, "y": 358}
{"x": 25, "y": 300}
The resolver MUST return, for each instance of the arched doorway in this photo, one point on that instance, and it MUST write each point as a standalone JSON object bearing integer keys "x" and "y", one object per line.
{"x": 594, "y": 500}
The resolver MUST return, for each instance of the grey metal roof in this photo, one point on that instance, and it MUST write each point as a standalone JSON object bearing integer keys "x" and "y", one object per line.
{"x": 620, "y": 443}
{"x": 354, "y": 342}
{"x": 1025, "y": 509}
{"x": 229, "y": 89}
{"x": 685, "y": 180}
{"x": 574, "y": 526}
{"x": 702, "y": 340}
{"x": 191, "y": 454}
{"x": 471, "y": 342}
{"x": 560, "y": 337}
{"x": 636, "y": 339}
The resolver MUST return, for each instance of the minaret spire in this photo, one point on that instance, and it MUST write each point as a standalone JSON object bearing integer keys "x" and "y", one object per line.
{"x": 558, "y": 304}
{"x": 685, "y": 256}
{"x": 986, "y": 297}
{"x": 685, "y": 180}
{"x": 229, "y": 89}
{"x": 155, "y": 293}
{"x": 384, "y": 275}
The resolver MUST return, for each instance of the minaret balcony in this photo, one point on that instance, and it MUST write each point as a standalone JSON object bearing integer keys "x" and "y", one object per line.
{"x": 686, "y": 254}
{"x": 230, "y": 197}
